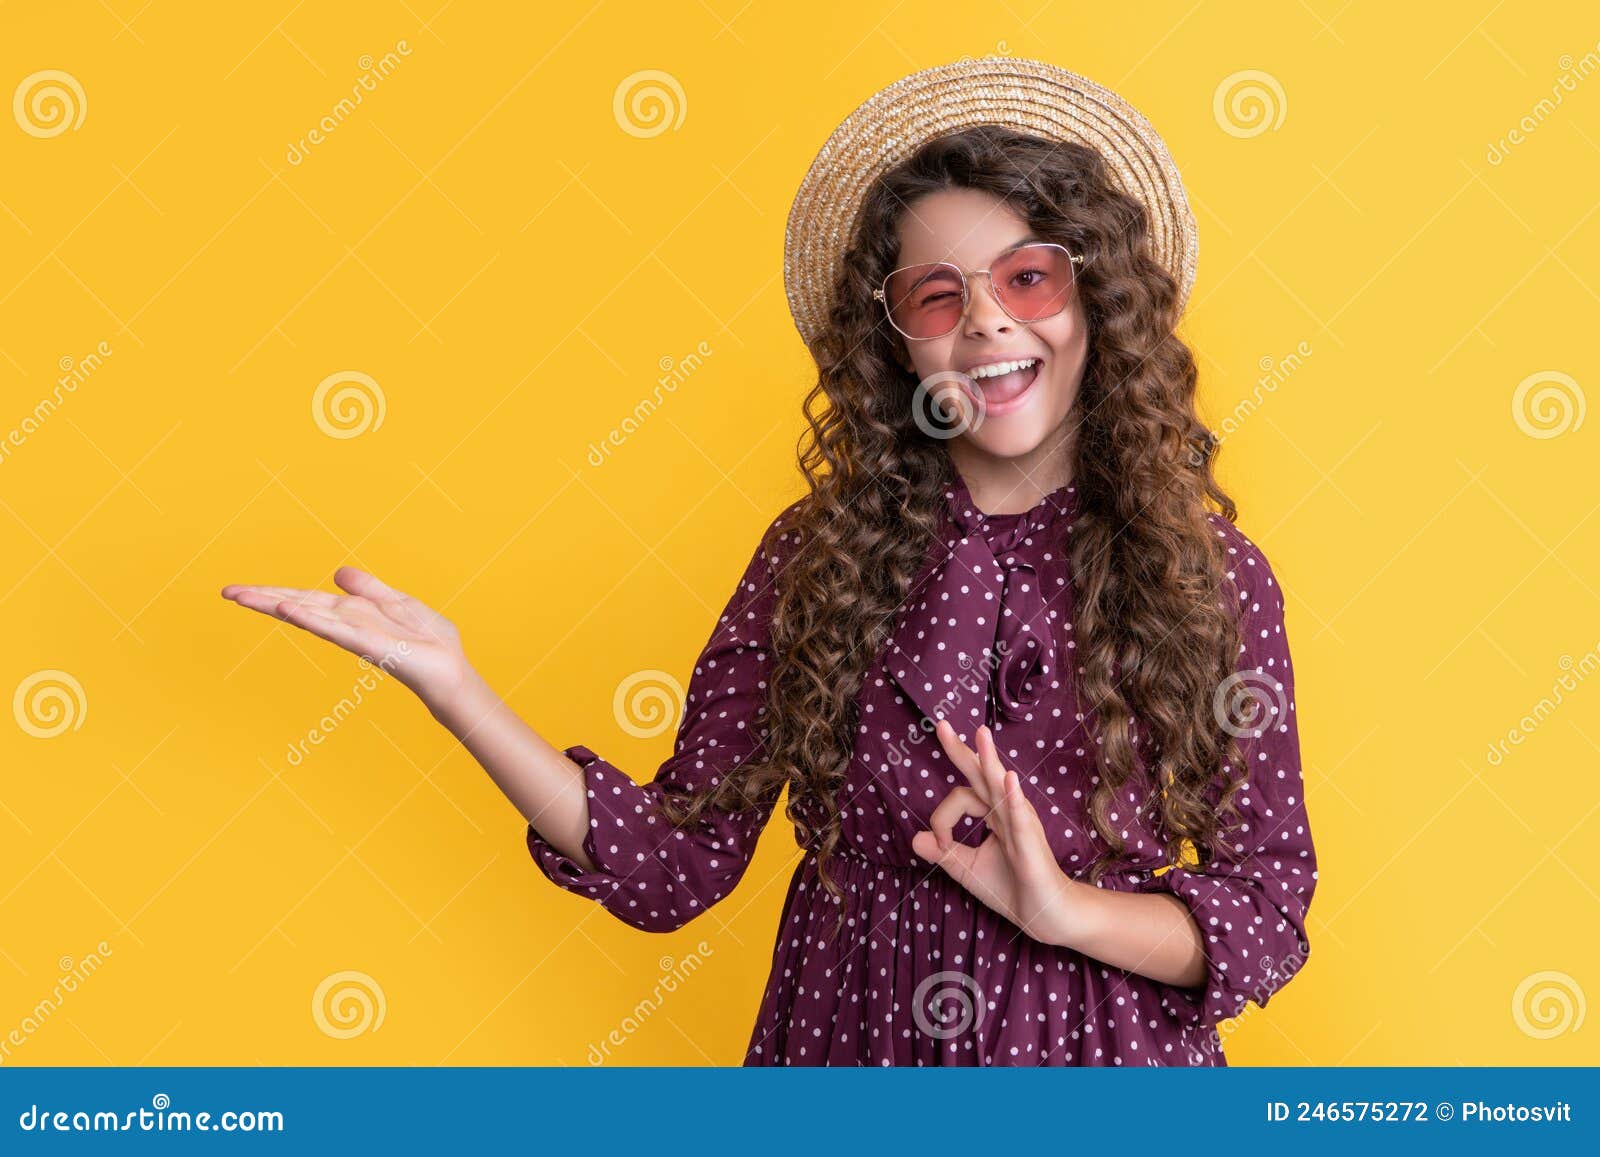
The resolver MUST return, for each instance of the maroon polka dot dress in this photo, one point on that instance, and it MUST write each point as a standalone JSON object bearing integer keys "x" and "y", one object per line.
{"x": 921, "y": 972}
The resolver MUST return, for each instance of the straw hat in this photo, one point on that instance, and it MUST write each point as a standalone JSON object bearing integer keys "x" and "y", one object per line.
{"x": 1028, "y": 95}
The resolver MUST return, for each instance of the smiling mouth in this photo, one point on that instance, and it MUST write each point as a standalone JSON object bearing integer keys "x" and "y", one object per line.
{"x": 998, "y": 392}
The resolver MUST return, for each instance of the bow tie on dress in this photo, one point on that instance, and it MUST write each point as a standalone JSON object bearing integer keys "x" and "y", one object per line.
{"x": 974, "y": 642}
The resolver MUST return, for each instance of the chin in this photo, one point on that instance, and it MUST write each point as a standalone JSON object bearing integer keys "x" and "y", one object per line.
{"x": 1020, "y": 432}
{"x": 1013, "y": 436}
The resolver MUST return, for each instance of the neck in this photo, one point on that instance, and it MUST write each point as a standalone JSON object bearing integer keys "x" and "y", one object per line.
{"x": 1013, "y": 485}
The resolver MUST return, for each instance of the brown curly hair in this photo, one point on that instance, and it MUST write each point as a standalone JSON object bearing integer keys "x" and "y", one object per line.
{"x": 1154, "y": 640}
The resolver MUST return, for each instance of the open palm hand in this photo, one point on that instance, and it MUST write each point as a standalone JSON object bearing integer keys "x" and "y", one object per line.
{"x": 409, "y": 640}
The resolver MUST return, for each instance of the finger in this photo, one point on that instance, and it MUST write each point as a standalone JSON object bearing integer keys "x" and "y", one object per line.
{"x": 1032, "y": 857}
{"x": 269, "y": 603}
{"x": 965, "y": 759}
{"x": 1022, "y": 831}
{"x": 359, "y": 582}
{"x": 1023, "y": 815}
{"x": 962, "y": 801}
{"x": 992, "y": 774}
{"x": 955, "y": 859}
{"x": 397, "y": 606}
{"x": 311, "y": 597}
{"x": 961, "y": 864}
{"x": 272, "y": 605}
{"x": 993, "y": 770}
{"x": 267, "y": 607}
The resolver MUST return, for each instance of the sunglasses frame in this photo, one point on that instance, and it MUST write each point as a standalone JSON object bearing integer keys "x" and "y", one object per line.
{"x": 1073, "y": 260}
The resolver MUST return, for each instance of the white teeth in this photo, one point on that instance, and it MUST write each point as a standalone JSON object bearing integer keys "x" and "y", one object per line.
{"x": 998, "y": 368}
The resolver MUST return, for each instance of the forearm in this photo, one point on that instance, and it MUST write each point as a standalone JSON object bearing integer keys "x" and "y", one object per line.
{"x": 539, "y": 779}
{"x": 1151, "y": 933}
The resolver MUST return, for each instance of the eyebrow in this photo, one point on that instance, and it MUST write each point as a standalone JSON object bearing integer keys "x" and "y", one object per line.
{"x": 1026, "y": 239}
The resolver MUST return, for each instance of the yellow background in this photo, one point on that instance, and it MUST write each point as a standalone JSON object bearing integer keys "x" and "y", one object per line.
{"x": 484, "y": 240}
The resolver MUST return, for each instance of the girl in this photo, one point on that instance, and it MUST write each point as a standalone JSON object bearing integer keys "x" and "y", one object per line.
{"x": 1031, "y": 699}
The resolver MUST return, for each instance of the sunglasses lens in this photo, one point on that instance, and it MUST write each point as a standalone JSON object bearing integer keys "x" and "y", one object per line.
{"x": 924, "y": 300}
{"x": 1034, "y": 282}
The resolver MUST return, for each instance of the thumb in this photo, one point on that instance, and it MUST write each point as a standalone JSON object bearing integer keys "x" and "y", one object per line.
{"x": 956, "y": 859}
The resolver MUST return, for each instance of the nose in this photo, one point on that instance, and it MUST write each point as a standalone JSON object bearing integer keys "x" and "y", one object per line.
{"x": 984, "y": 313}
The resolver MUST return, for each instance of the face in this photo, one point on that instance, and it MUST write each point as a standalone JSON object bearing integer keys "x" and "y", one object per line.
{"x": 1022, "y": 423}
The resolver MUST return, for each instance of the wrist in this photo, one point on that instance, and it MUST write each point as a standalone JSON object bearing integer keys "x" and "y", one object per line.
{"x": 461, "y": 703}
{"x": 1081, "y": 911}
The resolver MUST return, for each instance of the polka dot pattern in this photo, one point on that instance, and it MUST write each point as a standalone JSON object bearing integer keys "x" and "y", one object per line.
{"x": 920, "y": 972}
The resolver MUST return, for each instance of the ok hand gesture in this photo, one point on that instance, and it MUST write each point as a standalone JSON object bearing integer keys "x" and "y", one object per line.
{"x": 1013, "y": 871}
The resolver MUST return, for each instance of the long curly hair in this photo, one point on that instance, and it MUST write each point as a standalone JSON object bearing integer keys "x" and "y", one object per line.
{"x": 1154, "y": 639}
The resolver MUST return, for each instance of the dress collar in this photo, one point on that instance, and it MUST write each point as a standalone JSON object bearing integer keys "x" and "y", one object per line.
{"x": 975, "y": 640}
{"x": 1005, "y": 531}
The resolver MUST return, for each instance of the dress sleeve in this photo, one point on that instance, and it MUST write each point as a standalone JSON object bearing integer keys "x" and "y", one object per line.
{"x": 647, "y": 874}
{"x": 1251, "y": 907}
